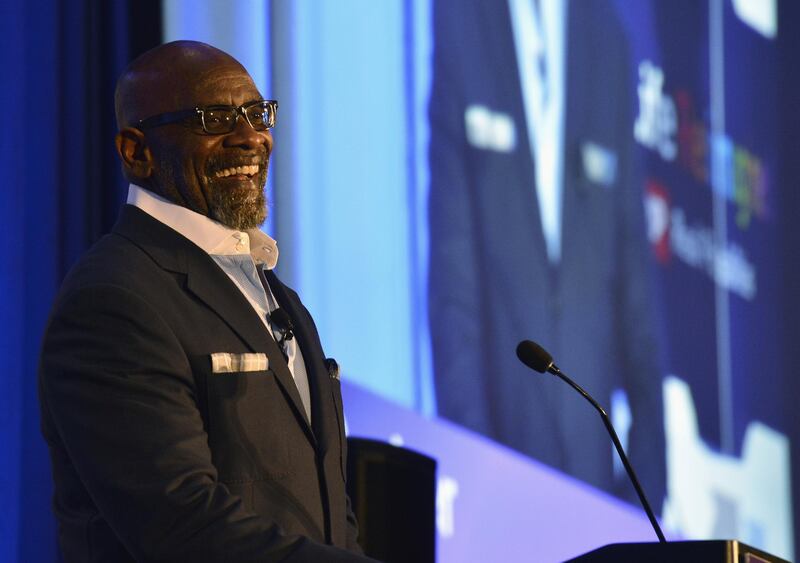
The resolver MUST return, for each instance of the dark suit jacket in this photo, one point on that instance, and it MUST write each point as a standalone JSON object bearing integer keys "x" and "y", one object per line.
{"x": 491, "y": 284}
{"x": 157, "y": 459}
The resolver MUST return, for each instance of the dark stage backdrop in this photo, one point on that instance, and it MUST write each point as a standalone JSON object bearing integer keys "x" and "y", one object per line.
{"x": 61, "y": 189}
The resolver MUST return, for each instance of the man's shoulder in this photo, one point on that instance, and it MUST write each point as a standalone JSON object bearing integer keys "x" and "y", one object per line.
{"x": 110, "y": 263}
{"x": 119, "y": 259}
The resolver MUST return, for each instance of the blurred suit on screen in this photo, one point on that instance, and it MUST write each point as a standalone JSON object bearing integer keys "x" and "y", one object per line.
{"x": 492, "y": 282}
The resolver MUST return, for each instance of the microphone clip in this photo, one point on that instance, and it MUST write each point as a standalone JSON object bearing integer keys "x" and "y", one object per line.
{"x": 283, "y": 325}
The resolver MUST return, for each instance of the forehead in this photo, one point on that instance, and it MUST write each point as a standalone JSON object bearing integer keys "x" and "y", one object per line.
{"x": 224, "y": 85}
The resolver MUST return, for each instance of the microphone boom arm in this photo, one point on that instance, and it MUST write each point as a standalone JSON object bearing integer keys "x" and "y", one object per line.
{"x": 552, "y": 368}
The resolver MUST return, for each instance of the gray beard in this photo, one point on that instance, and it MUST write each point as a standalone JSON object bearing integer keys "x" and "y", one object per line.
{"x": 237, "y": 209}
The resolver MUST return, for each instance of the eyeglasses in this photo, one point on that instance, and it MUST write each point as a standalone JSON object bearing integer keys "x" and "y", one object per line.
{"x": 219, "y": 120}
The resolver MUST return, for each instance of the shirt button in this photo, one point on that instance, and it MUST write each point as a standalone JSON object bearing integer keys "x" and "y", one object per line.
{"x": 241, "y": 241}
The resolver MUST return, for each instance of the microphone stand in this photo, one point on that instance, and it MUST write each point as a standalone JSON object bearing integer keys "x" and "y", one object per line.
{"x": 552, "y": 368}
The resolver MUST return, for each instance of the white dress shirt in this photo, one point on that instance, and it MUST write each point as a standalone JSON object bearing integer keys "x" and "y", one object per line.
{"x": 539, "y": 28}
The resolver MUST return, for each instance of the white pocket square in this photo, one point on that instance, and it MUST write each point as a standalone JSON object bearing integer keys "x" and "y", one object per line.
{"x": 224, "y": 362}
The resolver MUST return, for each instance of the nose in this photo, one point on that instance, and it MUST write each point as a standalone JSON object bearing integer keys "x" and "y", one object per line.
{"x": 244, "y": 136}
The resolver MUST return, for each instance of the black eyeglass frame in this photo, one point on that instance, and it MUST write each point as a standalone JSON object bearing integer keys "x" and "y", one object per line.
{"x": 271, "y": 106}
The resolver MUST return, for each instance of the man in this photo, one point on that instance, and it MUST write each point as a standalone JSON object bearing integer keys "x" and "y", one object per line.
{"x": 186, "y": 419}
{"x": 536, "y": 230}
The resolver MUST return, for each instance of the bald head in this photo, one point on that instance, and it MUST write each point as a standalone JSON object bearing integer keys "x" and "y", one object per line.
{"x": 171, "y": 77}
{"x": 217, "y": 174}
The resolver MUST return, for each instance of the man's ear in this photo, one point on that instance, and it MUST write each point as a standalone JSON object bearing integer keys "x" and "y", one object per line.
{"x": 136, "y": 157}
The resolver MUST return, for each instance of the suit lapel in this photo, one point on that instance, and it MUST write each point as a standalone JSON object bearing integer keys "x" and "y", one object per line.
{"x": 209, "y": 283}
{"x": 232, "y": 307}
{"x": 578, "y": 60}
{"x": 319, "y": 383}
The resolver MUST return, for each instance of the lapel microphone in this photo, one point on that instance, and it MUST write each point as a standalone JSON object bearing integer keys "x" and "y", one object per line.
{"x": 283, "y": 323}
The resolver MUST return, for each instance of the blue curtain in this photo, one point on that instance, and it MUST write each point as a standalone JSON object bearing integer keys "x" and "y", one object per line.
{"x": 61, "y": 189}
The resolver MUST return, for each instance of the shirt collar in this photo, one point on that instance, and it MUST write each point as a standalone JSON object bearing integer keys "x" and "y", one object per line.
{"x": 213, "y": 237}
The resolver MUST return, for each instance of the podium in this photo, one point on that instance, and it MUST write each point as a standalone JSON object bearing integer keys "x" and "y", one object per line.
{"x": 712, "y": 551}
{"x": 393, "y": 492}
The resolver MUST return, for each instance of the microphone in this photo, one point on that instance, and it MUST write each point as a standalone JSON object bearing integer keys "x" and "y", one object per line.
{"x": 538, "y": 359}
{"x": 535, "y": 357}
{"x": 283, "y": 323}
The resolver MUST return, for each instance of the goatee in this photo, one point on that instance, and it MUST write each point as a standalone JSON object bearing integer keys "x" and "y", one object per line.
{"x": 240, "y": 209}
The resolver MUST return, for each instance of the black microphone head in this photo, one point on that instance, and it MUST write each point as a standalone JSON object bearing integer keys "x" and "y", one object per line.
{"x": 534, "y": 356}
{"x": 281, "y": 318}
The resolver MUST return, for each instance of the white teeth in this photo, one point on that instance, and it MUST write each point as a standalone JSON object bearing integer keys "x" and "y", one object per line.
{"x": 249, "y": 170}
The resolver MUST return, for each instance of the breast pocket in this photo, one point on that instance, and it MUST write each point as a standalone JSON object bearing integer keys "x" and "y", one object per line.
{"x": 247, "y": 421}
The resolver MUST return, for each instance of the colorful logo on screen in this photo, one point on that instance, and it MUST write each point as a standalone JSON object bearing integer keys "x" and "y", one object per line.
{"x": 668, "y": 124}
{"x": 671, "y": 233}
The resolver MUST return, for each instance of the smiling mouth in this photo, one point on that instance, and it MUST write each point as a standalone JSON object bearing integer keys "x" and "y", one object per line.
{"x": 248, "y": 171}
